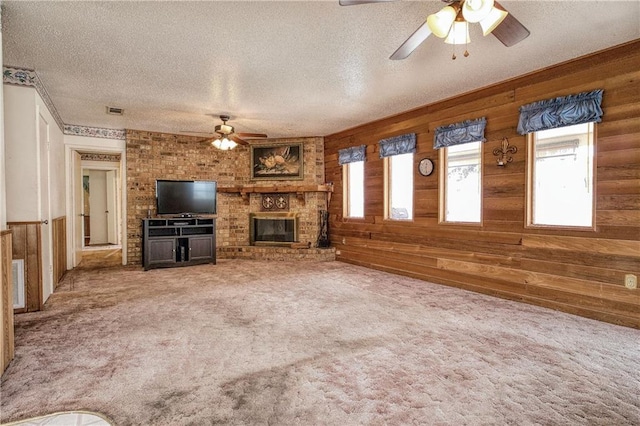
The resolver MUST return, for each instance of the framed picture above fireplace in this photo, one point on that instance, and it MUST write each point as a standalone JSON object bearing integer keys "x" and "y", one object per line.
{"x": 277, "y": 161}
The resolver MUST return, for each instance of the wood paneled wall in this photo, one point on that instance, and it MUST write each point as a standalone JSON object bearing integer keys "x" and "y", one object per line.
{"x": 59, "y": 249}
{"x": 27, "y": 245}
{"x": 6, "y": 302}
{"x": 580, "y": 272}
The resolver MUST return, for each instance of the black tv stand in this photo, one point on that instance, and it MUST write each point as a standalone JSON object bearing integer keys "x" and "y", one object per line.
{"x": 183, "y": 241}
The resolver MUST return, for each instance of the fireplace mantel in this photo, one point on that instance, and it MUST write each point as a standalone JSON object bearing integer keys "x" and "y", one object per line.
{"x": 299, "y": 190}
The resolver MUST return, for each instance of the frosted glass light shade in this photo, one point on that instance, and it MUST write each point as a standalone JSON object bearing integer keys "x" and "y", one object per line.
{"x": 493, "y": 19}
{"x": 224, "y": 144}
{"x": 227, "y": 144}
{"x": 476, "y": 10}
{"x": 459, "y": 33}
{"x": 440, "y": 23}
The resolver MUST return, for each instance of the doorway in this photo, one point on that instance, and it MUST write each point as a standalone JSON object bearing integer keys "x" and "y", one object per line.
{"x": 84, "y": 153}
{"x": 98, "y": 231}
{"x": 100, "y": 215}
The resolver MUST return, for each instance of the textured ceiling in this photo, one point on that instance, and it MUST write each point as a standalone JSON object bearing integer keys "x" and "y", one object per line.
{"x": 283, "y": 68}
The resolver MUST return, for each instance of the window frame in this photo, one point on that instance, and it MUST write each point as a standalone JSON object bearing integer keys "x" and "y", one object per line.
{"x": 346, "y": 182}
{"x": 387, "y": 189}
{"x": 530, "y": 186}
{"x": 442, "y": 188}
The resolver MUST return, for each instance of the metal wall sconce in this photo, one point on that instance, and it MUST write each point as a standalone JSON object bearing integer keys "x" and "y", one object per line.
{"x": 503, "y": 151}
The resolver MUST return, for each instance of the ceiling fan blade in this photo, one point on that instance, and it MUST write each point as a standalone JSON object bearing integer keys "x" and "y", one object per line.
{"x": 234, "y": 137}
{"x": 251, "y": 135}
{"x": 191, "y": 132}
{"x": 412, "y": 42}
{"x": 357, "y": 2}
{"x": 510, "y": 31}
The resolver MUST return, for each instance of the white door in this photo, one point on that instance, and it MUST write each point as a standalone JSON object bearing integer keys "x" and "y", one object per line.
{"x": 45, "y": 209}
{"x": 98, "y": 206}
{"x": 78, "y": 209}
{"x": 112, "y": 213}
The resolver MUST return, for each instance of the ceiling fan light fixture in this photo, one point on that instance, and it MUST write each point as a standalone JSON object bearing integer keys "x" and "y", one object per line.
{"x": 224, "y": 144}
{"x": 493, "y": 19}
{"x": 440, "y": 23}
{"x": 459, "y": 33}
{"x": 476, "y": 10}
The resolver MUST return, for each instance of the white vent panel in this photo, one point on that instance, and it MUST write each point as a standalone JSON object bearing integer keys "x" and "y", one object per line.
{"x": 17, "y": 267}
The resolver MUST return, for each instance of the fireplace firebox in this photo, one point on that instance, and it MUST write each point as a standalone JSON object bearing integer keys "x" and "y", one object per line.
{"x": 273, "y": 228}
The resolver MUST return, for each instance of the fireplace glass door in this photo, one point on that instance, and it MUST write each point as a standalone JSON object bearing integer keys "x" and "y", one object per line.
{"x": 273, "y": 229}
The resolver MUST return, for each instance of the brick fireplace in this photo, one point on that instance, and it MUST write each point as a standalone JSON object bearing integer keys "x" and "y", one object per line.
{"x": 152, "y": 156}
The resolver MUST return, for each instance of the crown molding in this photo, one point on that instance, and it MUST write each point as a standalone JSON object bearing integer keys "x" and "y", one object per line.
{"x": 29, "y": 78}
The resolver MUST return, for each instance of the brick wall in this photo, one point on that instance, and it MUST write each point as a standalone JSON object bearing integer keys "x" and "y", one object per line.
{"x": 152, "y": 156}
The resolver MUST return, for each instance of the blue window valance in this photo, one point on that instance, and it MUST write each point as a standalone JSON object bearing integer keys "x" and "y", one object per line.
{"x": 559, "y": 112}
{"x": 351, "y": 155}
{"x": 397, "y": 145}
{"x": 459, "y": 133}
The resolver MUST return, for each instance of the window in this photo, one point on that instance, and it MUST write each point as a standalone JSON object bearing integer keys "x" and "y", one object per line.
{"x": 353, "y": 178}
{"x": 352, "y": 161}
{"x": 561, "y": 176}
{"x": 399, "y": 187}
{"x": 462, "y": 183}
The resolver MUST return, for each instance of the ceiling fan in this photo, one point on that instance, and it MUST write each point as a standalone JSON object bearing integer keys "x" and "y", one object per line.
{"x": 451, "y": 23}
{"x": 227, "y": 138}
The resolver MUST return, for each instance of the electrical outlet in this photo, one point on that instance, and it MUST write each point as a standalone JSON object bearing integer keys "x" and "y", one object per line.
{"x": 631, "y": 281}
{"x": 344, "y": 241}
{"x": 338, "y": 252}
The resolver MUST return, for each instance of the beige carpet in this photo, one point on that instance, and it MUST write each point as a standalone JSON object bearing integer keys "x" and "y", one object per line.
{"x": 279, "y": 343}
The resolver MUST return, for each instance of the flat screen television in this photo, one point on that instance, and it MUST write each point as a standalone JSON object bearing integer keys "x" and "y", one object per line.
{"x": 185, "y": 197}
